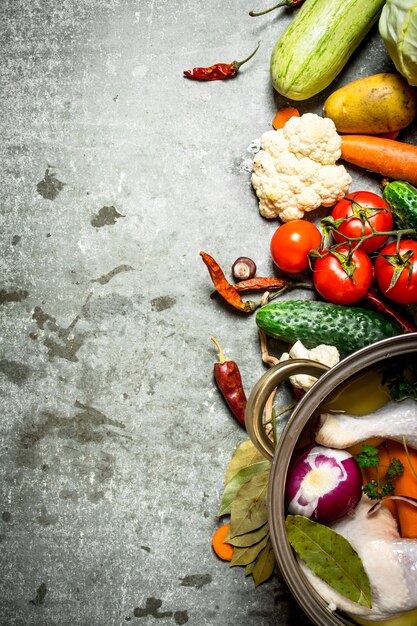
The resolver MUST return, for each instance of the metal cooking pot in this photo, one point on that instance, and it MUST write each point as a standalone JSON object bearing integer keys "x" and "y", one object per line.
{"x": 329, "y": 381}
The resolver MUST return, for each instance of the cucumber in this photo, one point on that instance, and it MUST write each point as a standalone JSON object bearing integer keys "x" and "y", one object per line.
{"x": 318, "y": 42}
{"x": 401, "y": 197}
{"x": 314, "y": 323}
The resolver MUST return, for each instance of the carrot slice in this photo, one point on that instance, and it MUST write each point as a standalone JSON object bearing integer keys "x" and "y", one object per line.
{"x": 223, "y": 550}
{"x": 283, "y": 115}
{"x": 405, "y": 485}
{"x": 388, "y": 157}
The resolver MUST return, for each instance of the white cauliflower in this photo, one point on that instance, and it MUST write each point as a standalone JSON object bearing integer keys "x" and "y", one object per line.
{"x": 328, "y": 355}
{"x": 295, "y": 169}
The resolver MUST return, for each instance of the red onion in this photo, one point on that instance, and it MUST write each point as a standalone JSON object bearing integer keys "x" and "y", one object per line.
{"x": 323, "y": 484}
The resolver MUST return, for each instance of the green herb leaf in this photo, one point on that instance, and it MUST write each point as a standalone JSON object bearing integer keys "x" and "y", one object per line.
{"x": 377, "y": 489}
{"x": 371, "y": 489}
{"x": 264, "y": 565}
{"x": 238, "y": 480}
{"x": 331, "y": 557}
{"x": 387, "y": 490}
{"x": 369, "y": 457}
{"x": 401, "y": 379}
{"x": 246, "y": 454}
{"x": 244, "y": 556}
{"x": 248, "y": 539}
{"x": 395, "y": 469}
{"x": 249, "y": 511}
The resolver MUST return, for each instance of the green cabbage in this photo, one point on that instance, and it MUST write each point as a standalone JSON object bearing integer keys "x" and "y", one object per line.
{"x": 398, "y": 29}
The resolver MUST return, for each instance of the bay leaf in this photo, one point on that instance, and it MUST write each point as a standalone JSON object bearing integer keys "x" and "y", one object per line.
{"x": 246, "y": 454}
{"x": 246, "y": 555}
{"x": 264, "y": 565}
{"x": 249, "y": 568}
{"x": 331, "y": 557}
{"x": 248, "y": 539}
{"x": 249, "y": 510}
{"x": 239, "y": 479}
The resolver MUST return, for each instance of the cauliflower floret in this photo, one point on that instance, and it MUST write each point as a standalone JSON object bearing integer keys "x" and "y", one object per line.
{"x": 328, "y": 355}
{"x": 309, "y": 170}
{"x": 314, "y": 137}
{"x": 274, "y": 142}
{"x": 330, "y": 183}
{"x": 295, "y": 169}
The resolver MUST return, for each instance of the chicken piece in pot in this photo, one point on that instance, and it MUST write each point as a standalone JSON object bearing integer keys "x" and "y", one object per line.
{"x": 390, "y": 562}
{"x": 394, "y": 420}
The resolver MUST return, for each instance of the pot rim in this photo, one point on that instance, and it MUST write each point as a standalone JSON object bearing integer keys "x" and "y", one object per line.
{"x": 309, "y": 600}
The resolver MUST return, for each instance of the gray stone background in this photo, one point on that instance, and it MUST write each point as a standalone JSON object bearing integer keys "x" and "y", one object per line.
{"x": 116, "y": 172}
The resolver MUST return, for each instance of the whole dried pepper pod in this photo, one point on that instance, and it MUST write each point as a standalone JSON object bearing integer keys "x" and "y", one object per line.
{"x": 229, "y": 381}
{"x": 218, "y": 71}
{"x": 260, "y": 283}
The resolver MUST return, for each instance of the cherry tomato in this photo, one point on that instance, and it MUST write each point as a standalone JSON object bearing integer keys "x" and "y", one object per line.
{"x": 380, "y": 220}
{"x": 405, "y": 289}
{"x": 291, "y": 243}
{"x": 334, "y": 284}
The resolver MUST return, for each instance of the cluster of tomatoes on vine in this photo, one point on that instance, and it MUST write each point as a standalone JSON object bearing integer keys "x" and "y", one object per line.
{"x": 358, "y": 244}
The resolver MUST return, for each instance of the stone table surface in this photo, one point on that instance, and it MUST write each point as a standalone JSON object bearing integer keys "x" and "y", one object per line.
{"x": 116, "y": 172}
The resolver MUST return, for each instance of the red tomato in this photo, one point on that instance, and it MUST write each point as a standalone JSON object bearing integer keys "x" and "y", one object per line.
{"x": 405, "y": 289}
{"x": 334, "y": 284}
{"x": 381, "y": 220}
{"x": 291, "y": 243}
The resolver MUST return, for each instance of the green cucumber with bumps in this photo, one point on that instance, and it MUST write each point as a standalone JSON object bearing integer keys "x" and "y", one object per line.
{"x": 401, "y": 197}
{"x": 314, "y": 323}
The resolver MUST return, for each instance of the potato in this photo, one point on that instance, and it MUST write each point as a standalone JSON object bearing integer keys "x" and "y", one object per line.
{"x": 381, "y": 103}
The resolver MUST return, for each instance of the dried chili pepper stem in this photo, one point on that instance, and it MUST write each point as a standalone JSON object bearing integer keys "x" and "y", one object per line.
{"x": 229, "y": 381}
{"x": 284, "y": 3}
{"x": 219, "y": 71}
{"x": 290, "y": 286}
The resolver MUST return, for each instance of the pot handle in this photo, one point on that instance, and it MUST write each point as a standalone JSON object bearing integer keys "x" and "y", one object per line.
{"x": 261, "y": 392}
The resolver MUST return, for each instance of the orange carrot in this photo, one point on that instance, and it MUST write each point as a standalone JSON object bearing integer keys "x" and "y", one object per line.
{"x": 223, "y": 550}
{"x": 283, "y": 115}
{"x": 405, "y": 485}
{"x": 388, "y": 157}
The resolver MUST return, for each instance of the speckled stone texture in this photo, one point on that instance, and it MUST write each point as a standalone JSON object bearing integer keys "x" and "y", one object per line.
{"x": 116, "y": 172}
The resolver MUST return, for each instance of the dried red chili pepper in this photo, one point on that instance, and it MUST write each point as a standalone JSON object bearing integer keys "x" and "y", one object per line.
{"x": 229, "y": 382}
{"x": 377, "y": 304}
{"x": 226, "y": 289}
{"x": 261, "y": 284}
{"x": 285, "y": 3}
{"x": 219, "y": 71}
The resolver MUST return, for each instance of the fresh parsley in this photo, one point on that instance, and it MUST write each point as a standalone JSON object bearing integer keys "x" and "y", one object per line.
{"x": 376, "y": 489}
{"x": 400, "y": 378}
{"x": 369, "y": 457}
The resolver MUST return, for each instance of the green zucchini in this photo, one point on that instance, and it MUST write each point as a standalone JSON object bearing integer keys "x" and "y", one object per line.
{"x": 401, "y": 197}
{"x": 318, "y": 42}
{"x": 314, "y": 323}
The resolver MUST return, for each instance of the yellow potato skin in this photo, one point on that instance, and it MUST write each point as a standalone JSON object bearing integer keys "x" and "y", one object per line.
{"x": 376, "y": 104}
